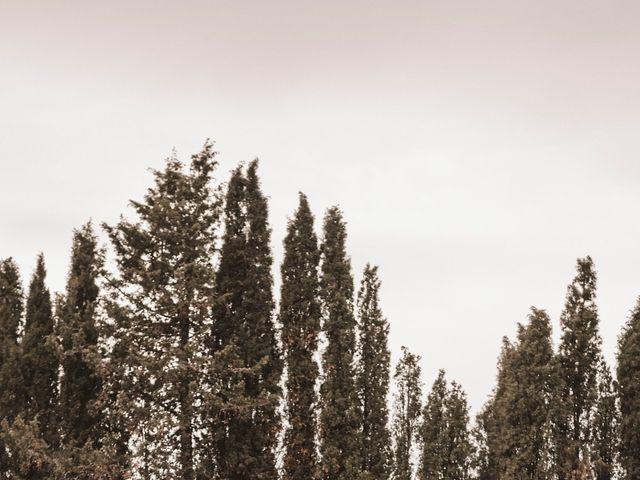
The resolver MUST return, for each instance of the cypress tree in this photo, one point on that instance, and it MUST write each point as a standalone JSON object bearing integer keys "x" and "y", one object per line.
{"x": 444, "y": 434}
{"x": 490, "y": 445}
{"x": 80, "y": 382}
{"x": 262, "y": 329}
{"x": 11, "y": 383}
{"x": 339, "y": 425}
{"x": 300, "y": 319}
{"x": 525, "y": 401}
{"x": 407, "y": 405}
{"x": 628, "y": 373}
{"x": 372, "y": 378}
{"x": 243, "y": 320}
{"x": 484, "y": 458}
{"x": 578, "y": 359}
{"x": 160, "y": 310}
{"x": 458, "y": 448}
{"x": 605, "y": 426}
{"x": 11, "y": 310}
{"x": 39, "y": 360}
{"x": 432, "y": 431}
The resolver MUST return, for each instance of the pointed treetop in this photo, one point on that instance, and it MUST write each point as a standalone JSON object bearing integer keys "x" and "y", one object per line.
{"x": 11, "y": 299}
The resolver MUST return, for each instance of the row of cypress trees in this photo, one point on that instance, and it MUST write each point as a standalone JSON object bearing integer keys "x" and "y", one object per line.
{"x": 175, "y": 362}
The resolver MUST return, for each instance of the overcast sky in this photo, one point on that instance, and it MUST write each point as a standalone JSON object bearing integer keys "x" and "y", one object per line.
{"x": 476, "y": 147}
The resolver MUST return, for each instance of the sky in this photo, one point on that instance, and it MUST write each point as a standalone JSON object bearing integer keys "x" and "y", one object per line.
{"x": 477, "y": 148}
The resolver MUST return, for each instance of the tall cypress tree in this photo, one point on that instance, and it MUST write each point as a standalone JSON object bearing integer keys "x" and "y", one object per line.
{"x": 628, "y": 373}
{"x": 244, "y": 320}
{"x": 457, "y": 440}
{"x": 11, "y": 311}
{"x": 11, "y": 383}
{"x": 300, "y": 319}
{"x": 444, "y": 433}
{"x": 605, "y": 426}
{"x": 339, "y": 423}
{"x": 39, "y": 360}
{"x": 161, "y": 314}
{"x": 490, "y": 445}
{"x": 80, "y": 382}
{"x": 406, "y": 415}
{"x": 372, "y": 379}
{"x": 578, "y": 358}
{"x": 522, "y": 408}
{"x": 432, "y": 431}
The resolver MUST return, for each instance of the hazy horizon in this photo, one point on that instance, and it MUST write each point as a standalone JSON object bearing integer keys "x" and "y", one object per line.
{"x": 476, "y": 148}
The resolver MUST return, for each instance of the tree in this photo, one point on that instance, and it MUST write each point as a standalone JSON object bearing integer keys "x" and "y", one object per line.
{"x": 339, "y": 425}
{"x": 243, "y": 321}
{"x": 300, "y": 319}
{"x": 372, "y": 379}
{"x": 80, "y": 381}
{"x": 605, "y": 426}
{"x": 628, "y": 373}
{"x": 525, "y": 401}
{"x": 432, "y": 431}
{"x": 160, "y": 311}
{"x": 11, "y": 310}
{"x": 38, "y": 359}
{"x": 11, "y": 384}
{"x": 407, "y": 405}
{"x": 444, "y": 434}
{"x": 490, "y": 445}
{"x": 578, "y": 357}
{"x": 458, "y": 448}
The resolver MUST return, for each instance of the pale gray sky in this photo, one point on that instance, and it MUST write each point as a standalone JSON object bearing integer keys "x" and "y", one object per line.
{"x": 476, "y": 147}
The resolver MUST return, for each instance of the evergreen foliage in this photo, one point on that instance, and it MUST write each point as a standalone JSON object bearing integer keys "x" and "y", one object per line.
{"x": 339, "y": 415}
{"x": 244, "y": 323}
{"x": 446, "y": 451}
{"x": 372, "y": 379}
{"x": 11, "y": 311}
{"x": 78, "y": 331}
{"x": 524, "y": 402}
{"x": 628, "y": 373}
{"x": 433, "y": 431}
{"x": 38, "y": 359}
{"x": 406, "y": 415}
{"x": 160, "y": 306}
{"x": 300, "y": 319}
{"x": 605, "y": 426}
{"x": 578, "y": 358}
{"x": 490, "y": 446}
{"x": 172, "y": 365}
{"x": 12, "y": 399}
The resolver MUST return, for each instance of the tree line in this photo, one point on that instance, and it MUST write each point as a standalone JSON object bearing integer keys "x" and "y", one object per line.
{"x": 170, "y": 358}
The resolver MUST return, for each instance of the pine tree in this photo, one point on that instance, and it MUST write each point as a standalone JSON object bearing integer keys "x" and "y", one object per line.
{"x": 605, "y": 426}
{"x": 525, "y": 401}
{"x": 11, "y": 384}
{"x": 372, "y": 379}
{"x": 244, "y": 321}
{"x": 160, "y": 311}
{"x": 39, "y": 360}
{"x": 628, "y": 373}
{"x": 300, "y": 319}
{"x": 578, "y": 358}
{"x": 407, "y": 406}
{"x": 80, "y": 382}
{"x": 339, "y": 425}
